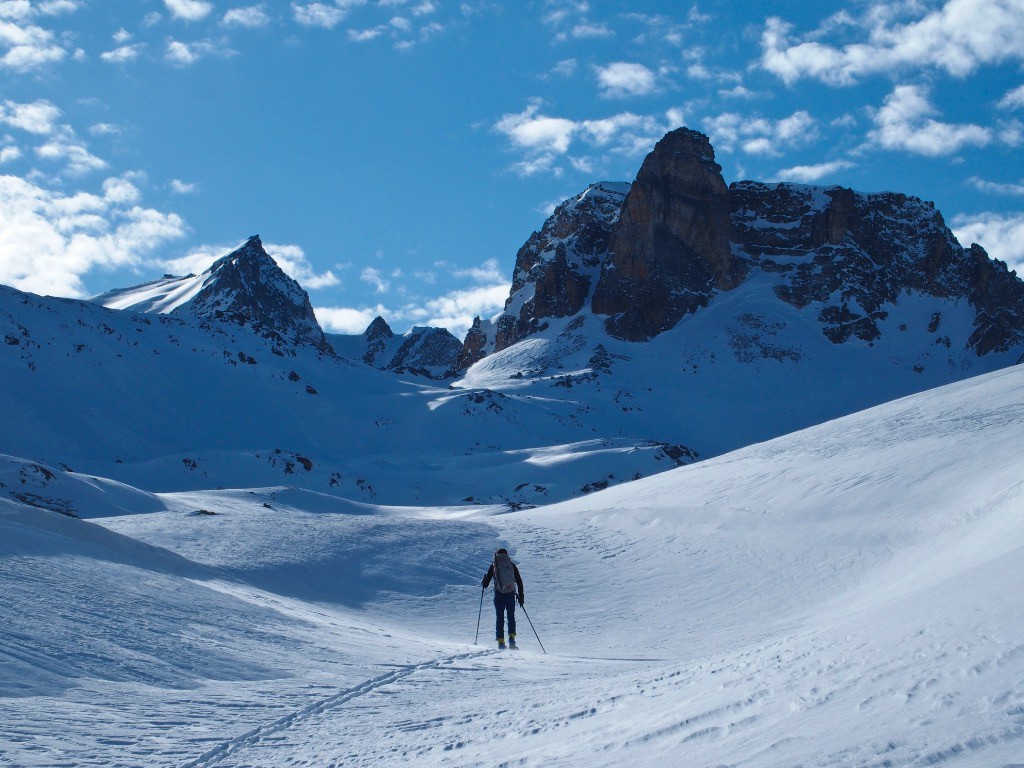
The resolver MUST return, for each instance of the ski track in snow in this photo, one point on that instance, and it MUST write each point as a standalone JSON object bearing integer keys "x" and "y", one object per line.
{"x": 265, "y": 733}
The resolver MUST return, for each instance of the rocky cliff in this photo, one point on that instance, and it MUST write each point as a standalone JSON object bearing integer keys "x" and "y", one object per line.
{"x": 680, "y": 237}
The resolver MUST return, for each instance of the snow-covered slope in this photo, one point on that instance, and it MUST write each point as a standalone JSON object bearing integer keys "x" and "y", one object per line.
{"x": 173, "y": 402}
{"x": 843, "y": 596}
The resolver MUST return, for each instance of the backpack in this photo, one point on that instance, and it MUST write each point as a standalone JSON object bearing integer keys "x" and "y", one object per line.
{"x": 504, "y": 576}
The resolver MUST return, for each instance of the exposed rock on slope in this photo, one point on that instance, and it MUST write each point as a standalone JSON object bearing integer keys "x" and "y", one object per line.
{"x": 423, "y": 351}
{"x": 558, "y": 266}
{"x": 556, "y": 270}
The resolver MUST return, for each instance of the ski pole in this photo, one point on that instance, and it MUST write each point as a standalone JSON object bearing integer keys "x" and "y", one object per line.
{"x": 533, "y": 628}
{"x": 478, "y": 614}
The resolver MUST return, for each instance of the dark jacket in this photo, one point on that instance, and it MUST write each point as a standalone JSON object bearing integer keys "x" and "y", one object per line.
{"x": 515, "y": 570}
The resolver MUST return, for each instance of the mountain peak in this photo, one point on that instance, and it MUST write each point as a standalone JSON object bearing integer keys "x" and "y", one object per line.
{"x": 247, "y": 287}
{"x": 650, "y": 253}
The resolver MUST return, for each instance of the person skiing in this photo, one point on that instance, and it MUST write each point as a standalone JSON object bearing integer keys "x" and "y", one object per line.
{"x": 506, "y": 579}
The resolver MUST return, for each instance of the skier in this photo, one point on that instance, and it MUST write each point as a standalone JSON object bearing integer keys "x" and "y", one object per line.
{"x": 506, "y": 578}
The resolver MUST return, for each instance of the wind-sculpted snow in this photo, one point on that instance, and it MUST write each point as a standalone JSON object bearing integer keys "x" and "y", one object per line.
{"x": 846, "y": 595}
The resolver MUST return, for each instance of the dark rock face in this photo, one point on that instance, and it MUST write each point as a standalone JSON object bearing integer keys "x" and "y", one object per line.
{"x": 474, "y": 348}
{"x": 556, "y": 270}
{"x": 248, "y": 288}
{"x": 429, "y": 352}
{"x": 852, "y": 254}
{"x": 996, "y": 294}
{"x": 670, "y": 249}
{"x": 560, "y": 264}
{"x": 377, "y": 335}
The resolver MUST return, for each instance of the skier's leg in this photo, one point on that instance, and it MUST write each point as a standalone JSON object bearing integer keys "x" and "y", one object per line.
{"x": 499, "y": 620}
{"x": 512, "y": 614}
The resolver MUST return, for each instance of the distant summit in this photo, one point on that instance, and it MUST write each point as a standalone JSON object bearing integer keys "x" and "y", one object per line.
{"x": 423, "y": 351}
{"x": 246, "y": 288}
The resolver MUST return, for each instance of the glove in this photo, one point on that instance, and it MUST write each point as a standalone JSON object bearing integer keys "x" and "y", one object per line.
{"x": 522, "y": 599}
{"x": 483, "y": 583}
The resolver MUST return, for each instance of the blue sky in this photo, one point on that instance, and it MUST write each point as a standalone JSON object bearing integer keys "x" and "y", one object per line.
{"x": 395, "y": 154}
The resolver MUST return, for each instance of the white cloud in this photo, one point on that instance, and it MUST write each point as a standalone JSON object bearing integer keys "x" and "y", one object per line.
{"x": 488, "y": 272}
{"x": 454, "y": 310}
{"x": 958, "y": 38}
{"x": 292, "y": 259}
{"x": 253, "y": 16}
{"x": 104, "y": 129}
{"x": 323, "y": 15}
{"x": 23, "y": 10}
{"x": 38, "y": 117}
{"x": 904, "y": 123}
{"x": 1000, "y": 234}
{"x": 348, "y": 320}
{"x": 9, "y": 154}
{"x": 122, "y": 54}
{"x": 376, "y": 279}
{"x": 364, "y": 35}
{"x": 189, "y": 10}
{"x": 51, "y": 240}
{"x": 995, "y": 187}
{"x": 739, "y": 92}
{"x": 587, "y": 30}
{"x": 1013, "y": 99}
{"x": 564, "y": 68}
{"x": 185, "y": 54}
{"x": 545, "y": 140}
{"x": 808, "y": 174}
{"x": 27, "y": 47}
{"x": 179, "y": 187}
{"x": 760, "y": 136}
{"x": 122, "y": 36}
{"x": 65, "y": 148}
{"x": 181, "y": 54}
{"x": 121, "y": 191}
{"x": 621, "y": 79}
{"x": 53, "y": 7}
{"x": 535, "y": 132}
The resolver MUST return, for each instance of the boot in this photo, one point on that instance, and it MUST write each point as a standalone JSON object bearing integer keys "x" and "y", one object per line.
{"x": 501, "y": 643}
{"x": 512, "y": 642}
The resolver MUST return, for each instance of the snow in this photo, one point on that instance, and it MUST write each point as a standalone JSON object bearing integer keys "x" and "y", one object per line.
{"x": 161, "y": 296}
{"x": 847, "y": 595}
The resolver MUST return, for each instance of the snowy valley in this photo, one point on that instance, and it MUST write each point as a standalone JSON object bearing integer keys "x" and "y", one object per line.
{"x": 846, "y": 595}
{"x": 756, "y": 449}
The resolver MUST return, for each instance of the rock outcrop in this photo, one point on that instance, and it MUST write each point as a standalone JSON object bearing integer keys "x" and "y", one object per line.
{"x": 645, "y": 255}
{"x": 423, "y": 351}
{"x": 670, "y": 248}
{"x": 557, "y": 267}
{"x": 247, "y": 287}
{"x": 377, "y": 336}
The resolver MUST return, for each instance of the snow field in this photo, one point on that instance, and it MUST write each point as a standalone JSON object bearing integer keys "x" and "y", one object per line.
{"x": 843, "y": 596}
